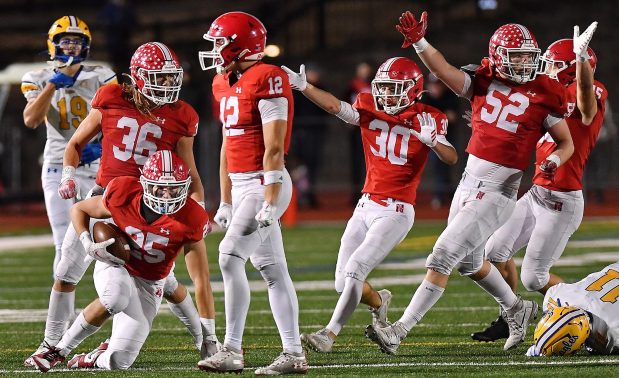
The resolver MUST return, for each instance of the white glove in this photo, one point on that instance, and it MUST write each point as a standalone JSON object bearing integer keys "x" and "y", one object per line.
{"x": 427, "y": 135}
{"x": 298, "y": 81}
{"x": 68, "y": 186}
{"x": 468, "y": 117}
{"x": 581, "y": 41}
{"x": 266, "y": 215}
{"x": 223, "y": 215}
{"x": 533, "y": 352}
{"x": 98, "y": 250}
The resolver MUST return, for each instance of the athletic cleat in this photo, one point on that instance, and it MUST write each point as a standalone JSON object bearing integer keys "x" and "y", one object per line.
{"x": 385, "y": 337}
{"x": 209, "y": 348}
{"x": 318, "y": 341}
{"x": 88, "y": 360}
{"x": 43, "y": 347}
{"x": 286, "y": 363}
{"x": 48, "y": 359}
{"x": 379, "y": 315}
{"x": 518, "y": 318}
{"x": 224, "y": 361}
{"x": 498, "y": 329}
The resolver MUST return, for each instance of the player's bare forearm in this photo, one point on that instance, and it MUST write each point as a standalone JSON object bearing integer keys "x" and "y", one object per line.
{"x": 35, "y": 110}
{"x": 197, "y": 267}
{"x": 225, "y": 185}
{"x": 325, "y": 100}
{"x": 447, "y": 154}
{"x": 184, "y": 149}
{"x": 560, "y": 133}
{"x": 88, "y": 128}
{"x": 82, "y": 211}
{"x": 585, "y": 94}
{"x": 273, "y": 160}
{"x": 438, "y": 65}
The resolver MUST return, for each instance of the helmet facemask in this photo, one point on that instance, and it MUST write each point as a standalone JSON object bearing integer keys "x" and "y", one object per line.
{"x": 215, "y": 55}
{"x": 554, "y": 69}
{"x": 161, "y": 86}
{"x": 391, "y": 96}
{"x": 165, "y": 195}
{"x": 520, "y": 65}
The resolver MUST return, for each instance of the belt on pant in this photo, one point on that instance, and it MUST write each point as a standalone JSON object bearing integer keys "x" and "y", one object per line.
{"x": 471, "y": 181}
{"x": 381, "y": 200}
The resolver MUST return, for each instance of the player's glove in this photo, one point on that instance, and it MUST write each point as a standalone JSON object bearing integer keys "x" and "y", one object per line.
{"x": 68, "y": 186}
{"x": 412, "y": 30}
{"x": 98, "y": 250}
{"x": 533, "y": 352}
{"x": 548, "y": 167}
{"x": 90, "y": 153}
{"x": 581, "y": 41}
{"x": 223, "y": 215}
{"x": 298, "y": 81}
{"x": 427, "y": 135}
{"x": 61, "y": 80}
{"x": 266, "y": 215}
{"x": 468, "y": 117}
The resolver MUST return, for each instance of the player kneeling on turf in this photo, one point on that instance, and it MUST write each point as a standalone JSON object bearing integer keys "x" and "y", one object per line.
{"x": 156, "y": 213}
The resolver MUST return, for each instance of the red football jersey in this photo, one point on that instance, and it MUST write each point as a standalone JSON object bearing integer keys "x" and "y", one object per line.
{"x": 239, "y": 114}
{"x": 394, "y": 159}
{"x": 569, "y": 175}
{"x": 159, "y": 242}
{"x": 130, "y": 137}
{"x": 508, "y": 119}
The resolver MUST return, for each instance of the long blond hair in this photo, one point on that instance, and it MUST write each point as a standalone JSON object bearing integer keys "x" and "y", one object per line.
{"x": 142, "y": 104}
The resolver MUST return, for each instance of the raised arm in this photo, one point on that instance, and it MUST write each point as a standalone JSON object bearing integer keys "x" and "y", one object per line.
{"x": 585, "y": 94}
{"x": 414, "y": 32}
{"x": 37, "y": 108}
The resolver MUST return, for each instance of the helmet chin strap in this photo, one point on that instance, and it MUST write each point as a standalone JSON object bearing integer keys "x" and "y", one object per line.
{"x": 61, "y": 64}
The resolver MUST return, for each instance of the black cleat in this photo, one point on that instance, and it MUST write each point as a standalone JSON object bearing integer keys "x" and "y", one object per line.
{"x": 498, "y": 329}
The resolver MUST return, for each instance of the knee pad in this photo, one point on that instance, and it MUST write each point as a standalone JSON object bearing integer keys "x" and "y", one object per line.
{"x": 355, "y": 269}
{"x": 469, "y": 267}
{"x": 443, "y": 259}
{"x": 532, "y": 280}
{"x": 121, "y": 360}
{"x": 170, "y": 285}
{"x": 115, "y": 297}
{"x": 339, "y": 282}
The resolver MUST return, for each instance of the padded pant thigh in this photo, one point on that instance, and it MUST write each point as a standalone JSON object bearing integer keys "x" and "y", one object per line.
{"x": 351, "y": 240}
{"x": 72, "y": 266}
{"x": 114, "y": 286}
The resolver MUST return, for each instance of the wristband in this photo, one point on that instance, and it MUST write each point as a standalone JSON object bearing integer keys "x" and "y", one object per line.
{"x": 273, "y": 177}
{"x": 420, "y": 45}
{"x": 68, "y": 172}
{"x": 555, "y": 159}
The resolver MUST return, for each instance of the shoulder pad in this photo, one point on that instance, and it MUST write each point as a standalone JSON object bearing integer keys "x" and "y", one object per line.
{"x": 470, "y": 69}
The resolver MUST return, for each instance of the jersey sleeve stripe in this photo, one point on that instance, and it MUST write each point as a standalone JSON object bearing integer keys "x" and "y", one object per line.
{"x": 109, "y": 78}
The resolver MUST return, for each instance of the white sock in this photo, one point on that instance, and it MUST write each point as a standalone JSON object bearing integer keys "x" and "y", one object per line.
{"x": 79, "y": 330}
{"x": 186, "y": 312}
{"x": 236, "y": 300}
{"x": 346, "y": 304}
{"x": 60, "y": 309}
{"x": 495, "y": 285}
{"x": 426, "y": 296}
{"x": 284, "y": 305}
{"x": 208, "y": 327}
{"x": 57, "y": 257}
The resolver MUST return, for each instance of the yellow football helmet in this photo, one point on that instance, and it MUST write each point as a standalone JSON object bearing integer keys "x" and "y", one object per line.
{"x": 562, "y": 331}
{"x": 68, "y": 25}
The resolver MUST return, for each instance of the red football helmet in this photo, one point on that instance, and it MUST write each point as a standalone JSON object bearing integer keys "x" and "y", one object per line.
{"x": 514, "y": 53}
{"x": 236, "y": 37}
{"x": 157, "y": 72}
{"x": 397, "y": 85}
{"x": 165, "y": 180}
{"x": 559, "y": 61}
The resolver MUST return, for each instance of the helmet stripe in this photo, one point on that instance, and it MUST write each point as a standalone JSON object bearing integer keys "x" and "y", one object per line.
{"x": 388, "y": 63}
{"x": 164, "y": 49}
{"x": 525, "y": 32}
{"x": 72, "y": 21}
{"x": 167, "y": 162}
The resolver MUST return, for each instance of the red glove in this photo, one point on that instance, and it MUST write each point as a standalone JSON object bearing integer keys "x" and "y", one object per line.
{"x": 411, "y": 29}
{"x": 68, "y": 187}
{"x": 548, "y": 167}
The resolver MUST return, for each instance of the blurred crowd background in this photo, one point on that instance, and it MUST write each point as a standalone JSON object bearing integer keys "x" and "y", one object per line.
{"x": 341, "y": 42}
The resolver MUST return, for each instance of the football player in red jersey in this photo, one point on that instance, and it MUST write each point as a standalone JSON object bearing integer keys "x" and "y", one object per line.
{"x": 256, "y": 110}
{"x": 512, "y": 109}
{"x": 549, "y": 213}
{"x": 136, "y": 120}
{"x": 156, "y": 213}
{"x": 394, "y": 163}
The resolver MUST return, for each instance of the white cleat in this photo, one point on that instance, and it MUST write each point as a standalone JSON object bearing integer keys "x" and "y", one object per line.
{"x": 318, "y": 341}
{"x": 88, "y": 360}
{"x": 386, "y": 338}
{"x": 209, "y": 347}
{"x": 224, "y": 361}
{"x": 519, "y": 316}
{"x": 286, "y": 363}
{"x": 43, "y": 347}
{"x": 379, "y": 315}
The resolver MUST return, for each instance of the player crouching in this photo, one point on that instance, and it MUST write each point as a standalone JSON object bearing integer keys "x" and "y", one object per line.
{"x": 156, "y": 213}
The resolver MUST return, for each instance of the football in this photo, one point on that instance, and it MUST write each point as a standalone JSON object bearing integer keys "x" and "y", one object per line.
{"x": 121, "y": 247}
